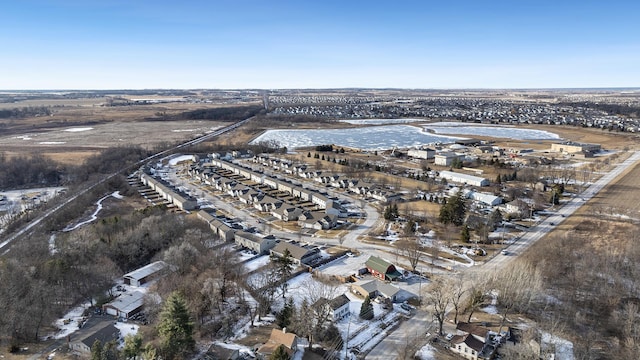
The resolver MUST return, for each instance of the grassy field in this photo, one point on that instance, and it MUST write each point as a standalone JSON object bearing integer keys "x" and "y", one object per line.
{"x": 619, "y": 202}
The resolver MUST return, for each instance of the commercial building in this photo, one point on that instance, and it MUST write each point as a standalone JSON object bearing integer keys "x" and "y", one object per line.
{"x": 464, "y": 178}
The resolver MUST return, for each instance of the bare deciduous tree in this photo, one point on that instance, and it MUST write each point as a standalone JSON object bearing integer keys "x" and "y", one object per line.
{"x": 412, "y": 250}
{"x": 516, "y": 287}
{"x": 458, "y": 290}
{"x": 438, "y": 298}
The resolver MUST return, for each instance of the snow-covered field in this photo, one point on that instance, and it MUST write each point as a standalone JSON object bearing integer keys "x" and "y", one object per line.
{"x": 500, "y": 131}
{"x": 367, "y": 138}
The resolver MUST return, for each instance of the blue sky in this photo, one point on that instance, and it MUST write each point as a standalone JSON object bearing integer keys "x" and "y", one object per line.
{"x": 137, "y": 44}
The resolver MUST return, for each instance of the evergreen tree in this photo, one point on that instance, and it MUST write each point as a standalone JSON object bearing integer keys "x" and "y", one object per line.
{"x": 453, "y": 210}
{"x": 498, "y": 179}
{"x": 132, "y": 346}
{"x": 175, "y": 328}
{"x": 309, "y": 154}
{"x": 366, "y": 310}
{"x": 149, "y": 353}
{"x": 495, "y": 218}
{"x": 110, "y": 351}
{"x": 285, "y": 316}
{"x": 283, "y": 269}
{"x": 280, "y": 354}
{"x": 96, "y": 350}
{"x": 464, "y": 234}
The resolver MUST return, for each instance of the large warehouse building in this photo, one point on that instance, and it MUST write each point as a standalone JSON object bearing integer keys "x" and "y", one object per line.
{"x": 464, "y": 178}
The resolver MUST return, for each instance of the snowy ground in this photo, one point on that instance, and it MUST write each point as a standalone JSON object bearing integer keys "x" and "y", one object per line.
{"x": 492, "y": 309}
{"x": 426, "y": 353}
{"x": 563, "y": 347}
{"x": 256, "y": 263}
{"x": 175, "y": 160}
{"x": 344, "y": 265}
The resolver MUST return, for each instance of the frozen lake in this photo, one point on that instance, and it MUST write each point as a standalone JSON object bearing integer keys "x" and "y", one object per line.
{"x": 402, "y": 136}
{"x": 500, "y": 131}
{"x": 366, "y": 138}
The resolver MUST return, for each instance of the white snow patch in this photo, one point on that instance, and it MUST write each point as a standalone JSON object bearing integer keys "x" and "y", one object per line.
{"x": 563, "y": 347}
{"x": 78, "y": 129}
{"x": 492, "y": 309}
{"x": 126, "y": 329}
{"x": 52, "y": 142}
{"x": 174, "y": 161}
{"x": 52, "y": 244}
{"x": 257, "y": 263}
{"x": 426, "y": 353}
{"x": 72, "y": 319}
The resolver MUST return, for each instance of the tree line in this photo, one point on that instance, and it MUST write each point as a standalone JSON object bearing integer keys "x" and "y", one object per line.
{"x": 24, "y": 112}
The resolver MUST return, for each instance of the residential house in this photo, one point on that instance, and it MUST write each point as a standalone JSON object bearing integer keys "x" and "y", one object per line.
{"x": 288, "y": 213}
{"x": 268, "y": 203}
{"x": 277, "y": 338}
{"x": 218, "y": 351}
{"x": 520, "y": 207}
{"x": 316, "y": 220}
{"x": 336, "y": 209}
{"x": 336, "y": 308}
{"x": 83, "y": 341}
{"x": 375, "y": 288}
{"x": 258, "y": 244}
{"x": 221, "y": 229}
{"x": 473, "y": 341}
{"x": 299, "y": 254}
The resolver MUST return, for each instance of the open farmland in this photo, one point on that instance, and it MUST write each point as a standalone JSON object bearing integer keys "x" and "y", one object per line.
{"x": 85, "y": 139}
{"x": 70, "y": 130}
